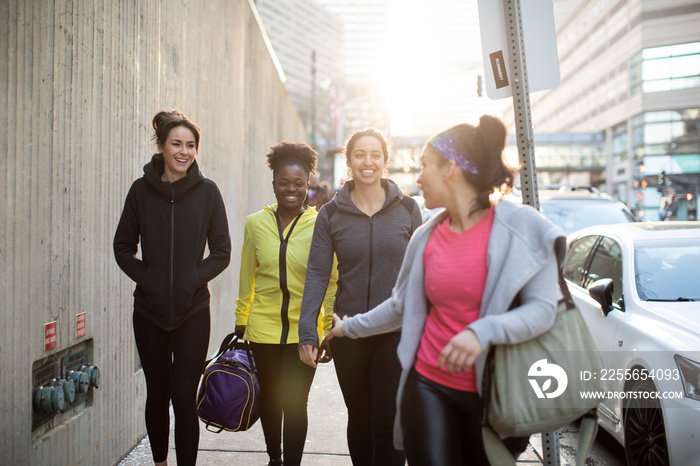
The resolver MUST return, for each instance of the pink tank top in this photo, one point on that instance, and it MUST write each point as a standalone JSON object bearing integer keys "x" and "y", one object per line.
{"x": 455, "y": 275}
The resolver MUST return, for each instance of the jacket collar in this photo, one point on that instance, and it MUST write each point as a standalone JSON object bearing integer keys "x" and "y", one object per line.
{"x": 153, "y": 170}
{"x": 342, "y": 197}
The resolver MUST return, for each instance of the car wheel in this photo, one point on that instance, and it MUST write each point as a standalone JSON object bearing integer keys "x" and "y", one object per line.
{"x": 645, "y": 436}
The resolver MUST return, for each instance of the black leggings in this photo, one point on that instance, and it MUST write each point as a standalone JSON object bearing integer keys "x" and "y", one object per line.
{"x": 368, "y": 372}
{"x": 443, "y": 426}
{"x": 172, "y": 363}
{"x": 285, "y": 382}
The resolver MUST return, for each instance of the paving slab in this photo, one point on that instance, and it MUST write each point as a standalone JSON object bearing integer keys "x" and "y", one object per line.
{"x": 326, "y": 443}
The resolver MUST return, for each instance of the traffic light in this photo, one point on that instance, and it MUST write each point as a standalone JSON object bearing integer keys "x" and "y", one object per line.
{"x": 662, "y": 178}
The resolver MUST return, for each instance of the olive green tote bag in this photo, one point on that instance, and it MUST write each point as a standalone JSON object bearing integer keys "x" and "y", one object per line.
{"x": 536, "y": 386}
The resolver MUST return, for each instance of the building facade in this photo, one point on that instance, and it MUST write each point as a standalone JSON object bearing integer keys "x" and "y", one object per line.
{"x": 366, "y": 35}
{"x": 81, "y": 82}
{"x": 308, "y": 42}
{"x": 630, "y": 69}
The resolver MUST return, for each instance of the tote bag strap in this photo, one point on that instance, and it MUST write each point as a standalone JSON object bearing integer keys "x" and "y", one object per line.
{"x": 565, "y": 292}
{"x": 496, "y": 450}
{"x": 586, "y": 435}
{"x": 498, "y": 453}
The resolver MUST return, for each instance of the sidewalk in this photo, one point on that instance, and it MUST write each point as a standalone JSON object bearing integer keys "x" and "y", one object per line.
{"x": 325, "y": 443}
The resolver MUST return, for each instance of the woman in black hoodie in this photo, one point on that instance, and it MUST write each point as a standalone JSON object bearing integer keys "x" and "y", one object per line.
{"x": 173, "y": 211}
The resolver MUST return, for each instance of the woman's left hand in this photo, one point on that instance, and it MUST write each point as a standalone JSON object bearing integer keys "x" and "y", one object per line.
{"x": 460, "y": 353}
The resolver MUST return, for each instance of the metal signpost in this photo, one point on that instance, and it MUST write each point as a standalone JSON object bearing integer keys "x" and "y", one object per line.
{"x": 526, "y": 152}
{"x": 509, "y": 76}
{"x": 521, "y": 101}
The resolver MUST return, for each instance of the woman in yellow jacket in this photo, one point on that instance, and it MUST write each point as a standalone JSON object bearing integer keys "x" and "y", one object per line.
{"x": 275, "y": 251}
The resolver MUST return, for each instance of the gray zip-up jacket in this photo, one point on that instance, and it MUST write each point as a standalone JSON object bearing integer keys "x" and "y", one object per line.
{"x": 369, "y": 252}
{"x": 521, "y": 258}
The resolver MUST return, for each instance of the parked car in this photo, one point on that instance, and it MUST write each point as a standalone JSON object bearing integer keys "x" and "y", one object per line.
{"x": 576, "y": 207}
{"x": 637, "y": 286}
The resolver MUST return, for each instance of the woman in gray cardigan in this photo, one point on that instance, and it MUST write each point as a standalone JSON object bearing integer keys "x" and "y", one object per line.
{"x": 461, "y": 272}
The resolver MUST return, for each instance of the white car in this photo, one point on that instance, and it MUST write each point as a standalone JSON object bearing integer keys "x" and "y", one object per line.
{"x": 575, "y": 207}
{"x": 638, "y": 288}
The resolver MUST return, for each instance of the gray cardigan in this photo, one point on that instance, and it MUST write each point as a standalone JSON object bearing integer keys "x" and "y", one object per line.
{"x": 520, "y": 258}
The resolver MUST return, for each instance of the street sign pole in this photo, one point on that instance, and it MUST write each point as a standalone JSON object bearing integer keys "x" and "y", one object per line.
{"x": 521, "y": 101}
{"x": 526, "y": 151}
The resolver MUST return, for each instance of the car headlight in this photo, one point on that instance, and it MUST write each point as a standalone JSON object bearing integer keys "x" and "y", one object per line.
{"x": 690, "y": 376}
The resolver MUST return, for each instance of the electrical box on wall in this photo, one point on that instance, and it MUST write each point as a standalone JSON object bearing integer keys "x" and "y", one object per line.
{"x": 62, "y": 385}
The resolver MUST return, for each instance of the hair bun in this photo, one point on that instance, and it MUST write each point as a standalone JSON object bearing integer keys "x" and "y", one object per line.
{"x": 493, "y": 133}
{"x": 164, "y": 121}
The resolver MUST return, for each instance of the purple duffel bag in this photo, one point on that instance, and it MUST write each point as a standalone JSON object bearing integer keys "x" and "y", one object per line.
{"x": 229, "y": 392}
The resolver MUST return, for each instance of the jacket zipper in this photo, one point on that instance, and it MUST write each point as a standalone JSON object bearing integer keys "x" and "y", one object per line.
{"x": 371, "y": 250}
{"x": 284, "y": 241}
{"x": 172, "y": 252}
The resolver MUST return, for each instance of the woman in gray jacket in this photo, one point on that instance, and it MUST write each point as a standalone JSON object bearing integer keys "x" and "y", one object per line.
{"x": 367, "y": 226}
{"x": 461, "y": 272}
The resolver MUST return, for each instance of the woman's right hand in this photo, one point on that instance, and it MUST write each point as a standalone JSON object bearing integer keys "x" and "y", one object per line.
{"x": 337, "y": 330}
{"x": 308, "y": 354}
{"x": 239, "y": 330}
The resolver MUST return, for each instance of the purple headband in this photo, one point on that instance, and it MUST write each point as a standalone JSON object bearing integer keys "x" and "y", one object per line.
{"x": 447, "y": 145}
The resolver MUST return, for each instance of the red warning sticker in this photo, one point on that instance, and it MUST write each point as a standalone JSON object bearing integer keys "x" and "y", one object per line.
{"x": 50, "y": 336}
{"x": 79, "y": 325}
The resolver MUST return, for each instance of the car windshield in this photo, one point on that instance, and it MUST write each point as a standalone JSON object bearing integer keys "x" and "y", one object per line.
{"x": 574, "y": 215}
{"x": 669, "y": 271}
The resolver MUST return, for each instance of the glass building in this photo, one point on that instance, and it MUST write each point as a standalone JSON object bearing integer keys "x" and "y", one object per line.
{"x": 630, "y": 70}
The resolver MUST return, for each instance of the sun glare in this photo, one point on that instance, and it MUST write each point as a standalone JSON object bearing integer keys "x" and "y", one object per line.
{"x": 406, "y": 78}
{"x": 434, "y": 58}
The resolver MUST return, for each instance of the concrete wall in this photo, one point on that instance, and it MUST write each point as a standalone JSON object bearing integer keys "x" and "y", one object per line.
{"x": 79, "y": 84}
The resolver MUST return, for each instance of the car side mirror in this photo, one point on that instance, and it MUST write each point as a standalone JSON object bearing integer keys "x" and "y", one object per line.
{"x": 602, "y": 291}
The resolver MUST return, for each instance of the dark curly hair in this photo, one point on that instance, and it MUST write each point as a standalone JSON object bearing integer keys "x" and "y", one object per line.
{"x": 291, "y": 153}
{"x": 164, "y": 121}
{"x": 485, "y": 144}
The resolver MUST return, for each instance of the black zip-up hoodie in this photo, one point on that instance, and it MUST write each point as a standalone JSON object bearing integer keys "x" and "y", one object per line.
{"x": 369, "y": 251}
{"x": 173, "y": 222}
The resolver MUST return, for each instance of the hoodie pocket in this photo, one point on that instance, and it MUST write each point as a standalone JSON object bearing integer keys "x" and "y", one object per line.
{"x": 155, "y": 287}
{"x": 185, "y": 285}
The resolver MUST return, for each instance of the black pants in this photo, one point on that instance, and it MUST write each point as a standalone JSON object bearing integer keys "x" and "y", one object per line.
{"x": 368, "y": 372}
{"x": 285, "y": 382}
{"x": 172, "y": 363}
{"x": 442, "y": 426}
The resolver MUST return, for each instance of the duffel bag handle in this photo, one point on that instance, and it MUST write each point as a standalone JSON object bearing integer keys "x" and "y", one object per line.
{"x": 231, "y": 341}
{"x": 208, "y": 425}
{"x": 227, "y": 344}
{"x": 245, "y": 344}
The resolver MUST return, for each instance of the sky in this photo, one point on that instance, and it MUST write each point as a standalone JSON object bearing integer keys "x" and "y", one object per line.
{"x": 434, "y": 55}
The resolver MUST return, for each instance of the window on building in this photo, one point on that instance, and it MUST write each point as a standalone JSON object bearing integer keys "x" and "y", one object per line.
{"x": 619, "y": 143}
{"x": 670, "y": 133}
{"x": 666, "y": 68}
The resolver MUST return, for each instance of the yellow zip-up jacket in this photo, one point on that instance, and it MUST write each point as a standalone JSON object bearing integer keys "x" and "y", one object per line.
{"x": 269, "y": 296}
